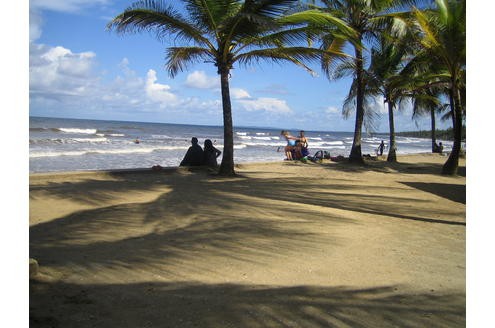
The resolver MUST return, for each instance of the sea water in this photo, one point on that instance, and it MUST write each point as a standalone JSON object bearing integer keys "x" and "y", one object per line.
{"x": 57, "y": 144}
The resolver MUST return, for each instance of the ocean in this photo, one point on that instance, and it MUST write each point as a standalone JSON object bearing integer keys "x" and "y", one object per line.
{"x": 59, "y": 144}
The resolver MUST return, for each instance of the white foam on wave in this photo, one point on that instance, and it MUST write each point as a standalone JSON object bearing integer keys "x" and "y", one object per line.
{"x": 161, "y": 136}
{"x": 75, "y": 130}
{"x": 326, "y": 144}
{"x": 254, "y": 144}
{"x": 241, "y": 133}
{"x": 409, "y": 140}
{"x": 131, "y": 150}
{"x": 90, "y": 140}
{"x": 262, "y": 138}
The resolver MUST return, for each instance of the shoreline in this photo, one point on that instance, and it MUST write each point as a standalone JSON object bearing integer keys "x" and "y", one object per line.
{"x": 280, "y": 244}
{"x": 175, "y": 168}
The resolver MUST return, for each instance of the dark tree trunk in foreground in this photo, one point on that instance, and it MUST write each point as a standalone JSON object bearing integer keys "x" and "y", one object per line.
{"x": 227, "y": 165}
{"x": 433, "y": 131}
{"x": 450, "y": 167}
{"x": 392, "y": 156}
{"x": 356, "y": 154}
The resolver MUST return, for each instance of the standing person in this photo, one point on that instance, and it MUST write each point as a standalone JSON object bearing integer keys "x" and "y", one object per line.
{"x": 194, "y": 155}
{"x": 381, "y": 147}
{"x": 210, "y": 154}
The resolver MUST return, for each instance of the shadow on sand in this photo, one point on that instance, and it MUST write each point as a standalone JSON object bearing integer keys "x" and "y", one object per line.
{"x": 231, "y": 305}
{"x": 169, "y": 235}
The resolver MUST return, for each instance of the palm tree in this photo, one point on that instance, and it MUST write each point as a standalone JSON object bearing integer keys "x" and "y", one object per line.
{"x": 387, "y": 59}
{"x": 443, "y": 41}
{"x": 368, "y": 19}
{"x": 429, "y": 102}
{"x": 225, "y": 32}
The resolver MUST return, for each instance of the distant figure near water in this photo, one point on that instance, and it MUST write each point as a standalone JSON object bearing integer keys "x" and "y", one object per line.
{"x": 136, "y": 141}
{"x": 381, "y": 148}
{"x": 194, "y": 155}
{"x": 438, "y": 148}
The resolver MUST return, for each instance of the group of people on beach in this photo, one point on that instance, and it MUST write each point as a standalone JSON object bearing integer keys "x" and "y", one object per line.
{"x": 197, "y": 156}
{"x": 297, "y": 147}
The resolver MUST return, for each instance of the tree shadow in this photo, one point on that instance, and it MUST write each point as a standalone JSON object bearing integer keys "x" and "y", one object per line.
{"x": 243, "y": 218}
{"x": 195, "y": 220}
{"x": 190, "y": 304}
{"x": 175, "y": 230}
{"x": 388, "y": 167}
{"x": 453, "y": 192}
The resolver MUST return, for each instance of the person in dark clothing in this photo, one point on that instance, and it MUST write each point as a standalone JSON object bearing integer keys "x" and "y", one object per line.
{"x": 194, "y": 155}
{"x": 210, "y": 154}
{"x": 380, "y": 148}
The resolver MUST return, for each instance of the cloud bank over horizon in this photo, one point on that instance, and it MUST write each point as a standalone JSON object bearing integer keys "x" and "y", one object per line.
{"x": 68, "y": 83}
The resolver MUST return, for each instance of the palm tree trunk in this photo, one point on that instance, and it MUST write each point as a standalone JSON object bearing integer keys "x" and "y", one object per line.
{"x": 356, "y": 154}
{"x": 227, "y": 165}
{"x": 392, "y": 156}
{"x": 450, "y": 167}
{"x": 433, "y": 131}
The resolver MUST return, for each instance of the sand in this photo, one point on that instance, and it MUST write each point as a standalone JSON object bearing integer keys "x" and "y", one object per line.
{"x": 284, "y": 244}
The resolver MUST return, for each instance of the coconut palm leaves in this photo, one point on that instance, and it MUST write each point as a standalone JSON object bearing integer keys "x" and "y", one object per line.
{"x": 387, "y": 60}
{"x": 443, "y": 53}
{"x": 369, "y": 19}
{"x": 225, "y": 32}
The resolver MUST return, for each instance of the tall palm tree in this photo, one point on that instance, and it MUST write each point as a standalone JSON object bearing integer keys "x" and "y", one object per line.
{"x": 443, "y": 41}
{"x": 387, "y": 59}
{"x": 368, "y": 19}
{"x": 225, "y": 32}
{"x": 429, "y": 102}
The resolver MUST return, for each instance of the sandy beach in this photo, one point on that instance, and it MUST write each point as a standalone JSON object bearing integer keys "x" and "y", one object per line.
{"x": 283, "y": 244}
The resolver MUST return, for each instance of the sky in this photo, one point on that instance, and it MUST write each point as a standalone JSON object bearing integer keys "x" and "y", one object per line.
{"x": 79, "y": 69}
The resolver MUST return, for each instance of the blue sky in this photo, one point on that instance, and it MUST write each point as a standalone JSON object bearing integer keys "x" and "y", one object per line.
{"x": 78, "y": 69}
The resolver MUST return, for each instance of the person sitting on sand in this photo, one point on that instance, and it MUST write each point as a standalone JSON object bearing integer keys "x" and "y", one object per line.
{"x": 210, "y": 154}
{"x": 438, "y": 148}
{"x": 194, "y": 155}
{"x": 291, "y": 144}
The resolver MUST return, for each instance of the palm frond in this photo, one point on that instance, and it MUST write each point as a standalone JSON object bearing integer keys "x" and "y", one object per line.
{"x": 210, "y": 14}
{"x": 158, "y": 18}
{"x": 296, "y": 55}
{"x": 320, "y": 19}
{"x": 179, "y": 58}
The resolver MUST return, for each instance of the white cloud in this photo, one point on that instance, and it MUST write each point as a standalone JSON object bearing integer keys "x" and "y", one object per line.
{"x": 272, "y": 105}
{"x": 332, "y": 110}
{"x": 35, "y": 23}
{"x": 65, "y": 5}
{"x": 159, "y": 92}
{"x": 59, "y": 71}
{"x": 237, "y": 93}
{"x": 199, "y": 79}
